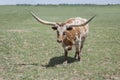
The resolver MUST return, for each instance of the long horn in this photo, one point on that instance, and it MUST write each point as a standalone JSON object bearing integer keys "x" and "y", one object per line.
{"x": 83, "y": 23}
{"x": 42, "y": 21}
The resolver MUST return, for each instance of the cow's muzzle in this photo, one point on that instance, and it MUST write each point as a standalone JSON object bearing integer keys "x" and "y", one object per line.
{"x": 59, "y": 41}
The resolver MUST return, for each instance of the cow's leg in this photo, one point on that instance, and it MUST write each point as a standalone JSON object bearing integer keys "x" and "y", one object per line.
{"x": 80, "y": 52}
{"x": 78, "y": 44}
{"x": 65, "y": 56}
{"x": 66, "y": 53}
{"x": 66, "y": 49}
{"x": 77, "y": 51}
{"x": 81, "y": 47}
{"x": 75, "y": 55}
{"x": 79, "y": 55}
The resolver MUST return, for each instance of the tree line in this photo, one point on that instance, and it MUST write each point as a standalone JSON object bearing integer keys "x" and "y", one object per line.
{"x": 60, "y": 4}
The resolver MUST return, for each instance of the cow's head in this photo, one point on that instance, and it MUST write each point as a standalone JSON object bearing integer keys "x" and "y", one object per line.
{"x": 60, "y": 28}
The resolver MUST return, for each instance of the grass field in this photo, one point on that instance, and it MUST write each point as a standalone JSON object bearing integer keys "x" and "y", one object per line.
{"x": 29, "y": 51}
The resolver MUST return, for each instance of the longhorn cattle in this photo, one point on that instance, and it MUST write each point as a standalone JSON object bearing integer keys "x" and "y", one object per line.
{"x": 72, "y": 32}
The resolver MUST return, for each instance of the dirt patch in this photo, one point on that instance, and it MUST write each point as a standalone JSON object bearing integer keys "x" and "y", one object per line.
{"x": 112, "y": 77}
{"x": 1, "y": 78}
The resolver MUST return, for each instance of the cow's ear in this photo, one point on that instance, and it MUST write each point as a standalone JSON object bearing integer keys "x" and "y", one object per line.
{"x": 69, "y": 28}
{"x": 54, "y": 28}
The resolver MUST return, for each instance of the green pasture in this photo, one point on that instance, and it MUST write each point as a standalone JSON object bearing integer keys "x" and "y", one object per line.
{"x": 29, "y": 50}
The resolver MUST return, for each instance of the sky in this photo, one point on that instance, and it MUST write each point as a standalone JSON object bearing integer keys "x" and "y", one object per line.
{"x": 12, "y": 2}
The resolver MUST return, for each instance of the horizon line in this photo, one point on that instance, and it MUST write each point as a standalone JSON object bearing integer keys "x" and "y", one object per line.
{"x": 62, "y": 4}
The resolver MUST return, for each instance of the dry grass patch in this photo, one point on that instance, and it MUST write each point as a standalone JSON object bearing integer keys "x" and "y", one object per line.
{"x": 18, "y": 30}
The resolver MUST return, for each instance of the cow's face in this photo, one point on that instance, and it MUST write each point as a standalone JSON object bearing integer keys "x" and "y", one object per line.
{"x": 61, "y": 29}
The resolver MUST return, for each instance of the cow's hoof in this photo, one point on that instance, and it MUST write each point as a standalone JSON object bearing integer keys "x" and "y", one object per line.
{"x": 64, "y": 63}
{"x": 75, "y": 56}
{"x": 78, "y": 59}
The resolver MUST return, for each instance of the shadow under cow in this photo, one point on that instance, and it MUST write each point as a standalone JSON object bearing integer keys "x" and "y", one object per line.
{"x": 59, "y": 60}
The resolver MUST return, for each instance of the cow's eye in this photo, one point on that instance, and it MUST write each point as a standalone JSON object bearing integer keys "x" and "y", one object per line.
{"x": 63, "y": 33}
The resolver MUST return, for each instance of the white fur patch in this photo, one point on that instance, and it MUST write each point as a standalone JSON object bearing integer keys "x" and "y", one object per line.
{"x": 61, "y": 30}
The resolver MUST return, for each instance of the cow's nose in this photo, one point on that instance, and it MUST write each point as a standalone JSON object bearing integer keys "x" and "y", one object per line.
{"x": 59, "y": 41}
